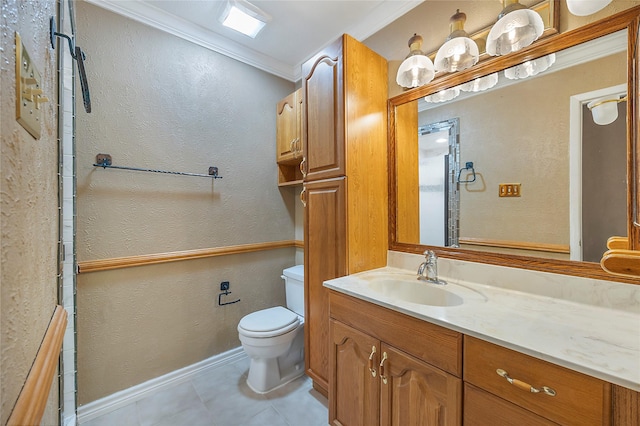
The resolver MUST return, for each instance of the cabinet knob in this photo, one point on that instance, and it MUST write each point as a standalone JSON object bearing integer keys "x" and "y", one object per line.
{"x": 525, "y": 386}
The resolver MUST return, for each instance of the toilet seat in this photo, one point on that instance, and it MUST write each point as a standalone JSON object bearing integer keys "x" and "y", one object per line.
{"x": 268, "y": 322}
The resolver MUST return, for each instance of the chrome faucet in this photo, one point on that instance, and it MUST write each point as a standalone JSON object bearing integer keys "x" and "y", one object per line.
{"x": 428, "y": 270}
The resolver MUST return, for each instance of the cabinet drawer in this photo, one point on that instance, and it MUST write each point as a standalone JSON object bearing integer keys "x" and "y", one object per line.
{"x": 428, "y": 342}
{"x": 579, "y": 399}
{"x": 482, "y": 408}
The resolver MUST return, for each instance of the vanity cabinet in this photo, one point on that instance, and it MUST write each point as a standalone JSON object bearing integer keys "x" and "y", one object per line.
{"x": 289, "y": 113}
{"x": 385, "y": 370}
{"x": 423, "y": 366}
{"x": 572, "y": 398}
{"x": 345, "y": 180}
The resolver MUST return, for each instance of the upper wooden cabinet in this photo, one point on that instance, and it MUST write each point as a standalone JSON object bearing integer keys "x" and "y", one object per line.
{"x": 289, "y": 129}
{"x": 289, "y": 125}
{"x": 325, "y": 121}
{"x": 345, "y": 187}
{"x": 345, "y": 89}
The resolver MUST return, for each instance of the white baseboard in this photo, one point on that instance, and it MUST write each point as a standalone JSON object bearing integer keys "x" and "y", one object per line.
{"x": 70, "y": 421}
{"x": 125, "y": 397}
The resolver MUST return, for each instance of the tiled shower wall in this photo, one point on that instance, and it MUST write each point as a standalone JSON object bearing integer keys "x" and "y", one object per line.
{"x": 66, "y": 132}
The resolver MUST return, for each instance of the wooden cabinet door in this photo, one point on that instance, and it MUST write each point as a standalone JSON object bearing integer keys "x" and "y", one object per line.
{"x": 286, "y": 129}
{"x": 324, "y": 114}
{"x": 354, "y": 392}
{"x": 482, "y": 408}
{"x": 325, "y": 258}
{"x": 416, "y": 393}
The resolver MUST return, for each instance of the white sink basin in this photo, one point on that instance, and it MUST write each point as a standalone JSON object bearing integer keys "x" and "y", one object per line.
{"x": 414, "y": 291}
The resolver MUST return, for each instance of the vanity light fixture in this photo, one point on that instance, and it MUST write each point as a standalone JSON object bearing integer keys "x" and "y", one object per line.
{"x": 244, "y": 17}
{"x": 605, "y": 110}
{"x": 417, "y": 69}
{"x": 459, "y": 52}
{"x": 530, "y": 68}
{"x": 481, "y": 83}
{"x": 586, "y": 7}
{"x": 443, "y": 95}
{"x": 517, "y": 27}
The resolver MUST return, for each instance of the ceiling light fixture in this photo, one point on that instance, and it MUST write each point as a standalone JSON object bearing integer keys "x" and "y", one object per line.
{"x": 244, "y": 17}
{"x": 605, "y": 110}
{"x": 517, "y": 27}
{"x": 459, "y": 52}
{"x": 417, "y": 69}
{"x": 586, "y": 7}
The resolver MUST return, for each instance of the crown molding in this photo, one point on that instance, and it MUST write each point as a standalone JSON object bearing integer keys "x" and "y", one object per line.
{"x": 159, "y": 19}
{"x": 381, "y": 16}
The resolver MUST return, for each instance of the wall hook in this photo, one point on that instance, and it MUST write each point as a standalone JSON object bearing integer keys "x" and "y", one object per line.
{"x": 78, "y": 55}
{"x": 468, "y": 166}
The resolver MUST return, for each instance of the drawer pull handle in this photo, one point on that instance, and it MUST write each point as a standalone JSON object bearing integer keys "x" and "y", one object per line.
{"x": 382, "y": 375}
{"x": 303, "y": 198}
{"x": 303, "y": 169}
{"x": 373, "y": 370}
{"x": 525, "y": 386}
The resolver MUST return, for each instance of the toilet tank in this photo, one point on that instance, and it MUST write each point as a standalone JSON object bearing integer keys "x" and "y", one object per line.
{"x": 294, "y": 288}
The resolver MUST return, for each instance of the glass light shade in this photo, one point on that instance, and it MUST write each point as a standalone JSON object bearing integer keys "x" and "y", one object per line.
{"x": 586, "y": 7}
{"x": 604, "y": 110}
{"x": 443, "y": 95}
{"x": 480, "y": 83}
{"x": 416, "y": 70}
{"x": 530, "y": 68}
{"x": 514, "y": 31}
{"x": 457, "y": 54}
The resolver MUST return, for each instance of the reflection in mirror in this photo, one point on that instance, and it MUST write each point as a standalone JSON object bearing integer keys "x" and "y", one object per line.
{"x": 438, "y": 167}
{"x": 519, "y": 132}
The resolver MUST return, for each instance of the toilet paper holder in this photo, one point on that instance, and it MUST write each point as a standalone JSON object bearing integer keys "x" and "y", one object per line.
{"x": 224, "y": 286}
{"x": 225, "y": 293}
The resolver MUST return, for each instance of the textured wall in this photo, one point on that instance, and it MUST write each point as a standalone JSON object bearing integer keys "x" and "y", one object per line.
{"x": 164, "y": 103}
{"x": 28, "y": 207}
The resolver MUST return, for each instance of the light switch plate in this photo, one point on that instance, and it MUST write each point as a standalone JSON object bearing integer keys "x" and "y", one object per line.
{"x": 29, "y": 95}
{"x": 509, "y": 190}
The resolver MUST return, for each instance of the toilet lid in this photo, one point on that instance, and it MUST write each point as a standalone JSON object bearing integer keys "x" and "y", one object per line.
{"x": 270, "y": 322}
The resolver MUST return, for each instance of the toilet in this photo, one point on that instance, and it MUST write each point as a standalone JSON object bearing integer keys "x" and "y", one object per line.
{"x": 273, "y": 338}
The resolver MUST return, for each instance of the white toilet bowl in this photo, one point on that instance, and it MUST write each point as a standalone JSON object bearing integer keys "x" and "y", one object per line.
{"x": 273, "y": 338}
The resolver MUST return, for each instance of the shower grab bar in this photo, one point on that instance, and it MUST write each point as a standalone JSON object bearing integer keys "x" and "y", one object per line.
{"x": 104, "y": 161}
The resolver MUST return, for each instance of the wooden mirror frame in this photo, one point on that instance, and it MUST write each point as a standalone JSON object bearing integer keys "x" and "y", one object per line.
{"x": 628, "y": 20}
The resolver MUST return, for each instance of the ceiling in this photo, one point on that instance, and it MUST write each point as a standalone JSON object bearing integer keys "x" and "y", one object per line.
{"x": 300, "y": 28}
{"x": 297, "y": 30}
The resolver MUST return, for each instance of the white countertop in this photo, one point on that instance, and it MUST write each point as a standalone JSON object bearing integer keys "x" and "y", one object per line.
{"x": 598, "y": 341}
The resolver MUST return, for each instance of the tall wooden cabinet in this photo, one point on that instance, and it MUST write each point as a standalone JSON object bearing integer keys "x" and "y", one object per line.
{"x": 345, "y": 182}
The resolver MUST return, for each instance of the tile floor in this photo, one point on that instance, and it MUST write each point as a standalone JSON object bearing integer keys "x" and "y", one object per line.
{"x": 221, "y": 397}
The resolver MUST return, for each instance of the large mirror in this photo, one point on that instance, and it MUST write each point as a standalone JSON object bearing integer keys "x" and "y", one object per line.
{"x": 547, "y": 186}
